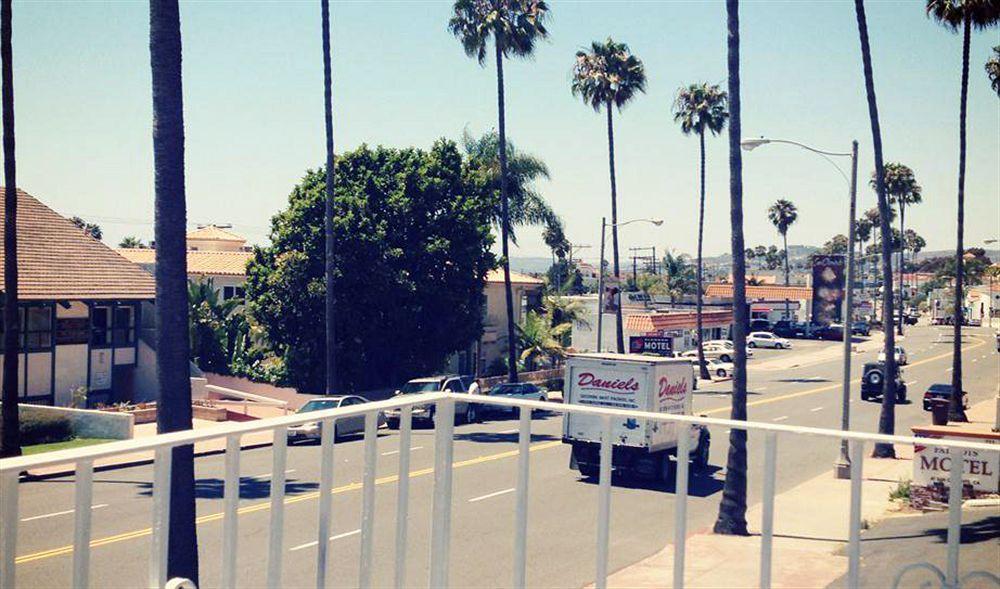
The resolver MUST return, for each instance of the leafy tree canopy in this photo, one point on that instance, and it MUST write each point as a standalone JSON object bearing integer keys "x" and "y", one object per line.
{"x": 412, "y": 251}
{"x": 835, "y": 245}
{"x": 91, "y": 229}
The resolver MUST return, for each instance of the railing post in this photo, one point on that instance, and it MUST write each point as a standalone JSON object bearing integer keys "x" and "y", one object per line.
{"x": 441, "y": 522}
{"x": 767, "y": 515}
{"x": 368, "y": 500}
{"x": 402, "y": 496}
{"x": 274, "y": 554}
{"x": 521, "y": 517}
{"x": 8, "y": 540}
{"x": 159, "y": 546}
{"x": 854, "y": 536}
{"x": 81, "y": 528}
{"x": 680, "y": 498}
{"x": 954, "y": 514}
{"x": 231, "y": 502}
{"x": 604, "y": 504}
{"x": 328, "y": 431}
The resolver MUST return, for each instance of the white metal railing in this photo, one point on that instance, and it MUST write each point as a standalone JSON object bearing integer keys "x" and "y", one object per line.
{"x": 84, "y": 459}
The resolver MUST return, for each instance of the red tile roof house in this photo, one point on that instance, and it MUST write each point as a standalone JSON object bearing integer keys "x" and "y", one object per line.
{"x": 84, "y": 312}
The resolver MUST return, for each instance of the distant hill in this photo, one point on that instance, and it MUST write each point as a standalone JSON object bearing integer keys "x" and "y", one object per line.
{"x": 529, "y": 265}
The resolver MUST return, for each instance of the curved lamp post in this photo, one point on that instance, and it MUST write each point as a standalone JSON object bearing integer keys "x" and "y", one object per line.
{"x": 843, "y": 465}
{"x": 600, "y": 283}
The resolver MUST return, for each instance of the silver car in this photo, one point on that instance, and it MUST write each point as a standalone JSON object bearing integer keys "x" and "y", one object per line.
{"x": 344, "y": 426}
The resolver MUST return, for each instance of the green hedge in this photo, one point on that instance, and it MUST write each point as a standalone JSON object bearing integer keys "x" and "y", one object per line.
{"x": 44, "y": 429}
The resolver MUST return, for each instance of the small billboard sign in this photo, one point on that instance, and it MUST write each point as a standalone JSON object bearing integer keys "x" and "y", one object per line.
{"x": 644, "y": 344}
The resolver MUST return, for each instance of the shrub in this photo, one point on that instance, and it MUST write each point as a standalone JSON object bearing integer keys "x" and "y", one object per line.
{"x": 44, "y": 429}
{"x": 902, "y": 491}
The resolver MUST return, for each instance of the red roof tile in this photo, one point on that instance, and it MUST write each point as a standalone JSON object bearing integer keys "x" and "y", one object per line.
{"x": 768, "y": 292}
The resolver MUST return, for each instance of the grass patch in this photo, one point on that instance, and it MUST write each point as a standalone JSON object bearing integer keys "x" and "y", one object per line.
{"x": 65, "y": 445}
{"x": 902, "y": 491}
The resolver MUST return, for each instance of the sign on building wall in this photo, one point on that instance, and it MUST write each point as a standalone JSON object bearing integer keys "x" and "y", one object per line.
{"x": 641, "y": 344}
{"x": 612, "y": 294}
{"x": 828, "y": 288}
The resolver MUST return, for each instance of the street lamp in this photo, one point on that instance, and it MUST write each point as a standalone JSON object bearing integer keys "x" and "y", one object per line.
{"x": 843, "y": 465}
{"x": 600, "y": 283}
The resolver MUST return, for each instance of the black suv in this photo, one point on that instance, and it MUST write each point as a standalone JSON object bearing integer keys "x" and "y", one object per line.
{"x": 789, "y": 329}
{"x": 871, "y": 382}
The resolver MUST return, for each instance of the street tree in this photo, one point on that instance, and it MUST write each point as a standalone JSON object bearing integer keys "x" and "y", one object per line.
{"x": 902, "y": 189}
{"x": 782, "y": 215}
{"x": 679, "y": 277}
{"x": 887, "y": 415}
{"x": 171, "y": 309}
{"x": 413, "y": 237}
{"x": 541, "y": 341}
{"x": 699, "y": 108}
{"x": 606, "y": 77}
{"x": 732, "y": 517}
{"x": 514, "y": 26}
{"x": 993, "y": 70}
{"x": 835, "y": 245}
{"x": 965, "y": 15}
{"x": 10, "y": 437}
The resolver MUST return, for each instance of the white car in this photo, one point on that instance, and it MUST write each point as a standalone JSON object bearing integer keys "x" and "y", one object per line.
{"x": 766, "y": 339}
{"x": 901, "y": 357}
{"x": 716, "y": 368}
{"x": 344, "y": 426}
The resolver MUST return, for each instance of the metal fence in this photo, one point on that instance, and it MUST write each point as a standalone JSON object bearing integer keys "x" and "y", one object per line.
{"x": 161, "y": 445}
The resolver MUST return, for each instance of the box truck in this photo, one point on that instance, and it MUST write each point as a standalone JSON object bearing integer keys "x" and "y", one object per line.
{"x": 642, "y": 447}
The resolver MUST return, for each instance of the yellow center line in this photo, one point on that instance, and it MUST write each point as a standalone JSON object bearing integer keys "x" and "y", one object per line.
{"x": 266, "y": 505}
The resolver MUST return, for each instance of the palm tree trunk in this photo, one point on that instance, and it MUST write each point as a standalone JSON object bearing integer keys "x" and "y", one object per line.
{"x": 733, "y": 507}
{"x": 784, "y": 238}
{"x": 902, "y": 258}
{"x": 505, "y": 225}
{"x": 10, "y": 445}
{"x": 887, "y": 417}
{"x": 955, "y": 411}
{"x": 619, "y": 333}
{"x": 703, "y": 369}
{"x": 172, "y": 345}
{"x": 329, "y": 260}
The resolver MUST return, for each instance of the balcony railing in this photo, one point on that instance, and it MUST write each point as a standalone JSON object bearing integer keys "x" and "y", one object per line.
{"x": 444, "y": 403}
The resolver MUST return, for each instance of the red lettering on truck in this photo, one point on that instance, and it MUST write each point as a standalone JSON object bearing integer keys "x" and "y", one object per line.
{"x": 617, "y": 385}
{"x": 669, "y": 390}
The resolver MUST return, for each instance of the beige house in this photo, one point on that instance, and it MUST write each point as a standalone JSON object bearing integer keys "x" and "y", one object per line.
{"x": 213, "y": 253}
{"x": 82, "y": 310}
{"x": 526, "y": 293}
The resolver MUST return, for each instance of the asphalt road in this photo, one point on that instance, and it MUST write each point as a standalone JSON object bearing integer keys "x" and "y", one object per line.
{"x": 562, "y": 506}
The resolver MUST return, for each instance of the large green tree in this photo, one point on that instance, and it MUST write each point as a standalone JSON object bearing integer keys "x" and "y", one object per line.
{"x": 514, "y": 26}
{"x": 10, "y": 437}
{"x": 606, "y": 77}
{"x": 699, "y": 108}
{"x": 965, "y": 15}
{"x": 413, "y": 249}
{"x": 902, "y": 190}
{"x": 171, "y": 309}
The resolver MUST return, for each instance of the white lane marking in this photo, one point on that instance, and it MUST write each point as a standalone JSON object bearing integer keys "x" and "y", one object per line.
{"x": 911, "y": 382}
{"x": 949, "y": 369}
{"x": 57, "y": 513}
{"x": 782, "y": 418}
{"x": 761, "y": 388}
{"x": 975, "y": 359}
{"x": 814, "y": 409}
{"x": 509, "y": 431}
{"x": 497, "y": 494}
{"x": 332, "y": 538}
{"x": 267, "y": 475}
{"x": 391, "y": 452}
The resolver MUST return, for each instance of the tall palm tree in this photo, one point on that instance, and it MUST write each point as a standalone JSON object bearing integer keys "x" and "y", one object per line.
{"x": 863, "y": 232}
{"x": 967, "y": 14}
{"x": 993, "y": 70}
{"x": 887, "y": 416}
{"x": 609, "y": 76}
{"x": 330, "y": 246}
{"x": 782, "y": 215}
{"x": 172, "y": 346}
{"x": 698, "y": 108}
{"x": 733, "y": 507}
{"x": 902, "y": 189}
{"x": 10, "y": 445}
{"x": 514, "y": 26}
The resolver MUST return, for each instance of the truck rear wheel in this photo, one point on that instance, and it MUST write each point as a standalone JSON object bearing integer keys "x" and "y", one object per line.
{"x": 668, "y": 468}
{"x": 589, "y": 471}
{"x": 699, "y": 460}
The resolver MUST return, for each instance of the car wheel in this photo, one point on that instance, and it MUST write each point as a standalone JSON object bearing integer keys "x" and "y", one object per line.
{"x": 752, "y": 345}
{"x": 392, "y": 423}
{"x": 778, "y": 346}
{"x": 726, "y": 358}
{"x": 874, "y": 377}
{"x": 865, "y": 396}
{"x": 720, "y": 373}
{"x": 901, "y": 397}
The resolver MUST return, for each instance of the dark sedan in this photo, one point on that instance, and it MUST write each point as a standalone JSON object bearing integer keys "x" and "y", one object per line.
{"x": 943, "y": 392}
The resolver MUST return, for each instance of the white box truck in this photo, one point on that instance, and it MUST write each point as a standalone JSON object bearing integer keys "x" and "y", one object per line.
{"x": 631, "y": 381}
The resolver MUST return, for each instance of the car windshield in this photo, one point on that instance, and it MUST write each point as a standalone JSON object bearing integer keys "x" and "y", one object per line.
{"x": 319, "y": 404}
{"x": 420, "y": 387}
{"x": 504, "y": 389}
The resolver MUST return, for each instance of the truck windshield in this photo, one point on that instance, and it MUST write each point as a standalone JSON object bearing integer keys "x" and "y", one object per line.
{"x": 420, "y": 387}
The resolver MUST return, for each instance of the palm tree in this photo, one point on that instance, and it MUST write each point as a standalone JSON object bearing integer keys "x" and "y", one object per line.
{"x": 172, "y": 345}
{"x": 679, "y": 277}
{"x": 733, "y": 507}
{"x": 966, "y": 14}
{"x": 211, "y": 319}
{"x": 698, "y": 108}
{"x": 901, "y": 189}
{"x": 863, "y": 232}
{"x": 10, "y": 445}
{"x": 330, "y": 246}
{"x": 609, "y": 76}
{"x": 514, "y": 26}
{"x": 131, "y": 242}
{"x": 887, "y": 416}
{"x": 782, "y": 215}
{"x": 540, "y": 340}
{"x": 561, "y": 309}
{"x": 993, "y": 70}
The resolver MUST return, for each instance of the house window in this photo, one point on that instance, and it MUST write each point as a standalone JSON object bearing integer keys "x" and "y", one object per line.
{"x": 100, "y": 324}
{"x": 36, "y": 325}
{"x": 123, "y": 333}
{"x": 233, "y": 292}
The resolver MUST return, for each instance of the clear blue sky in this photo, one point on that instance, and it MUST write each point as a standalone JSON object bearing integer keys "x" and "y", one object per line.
{"x": 254, "y": 118}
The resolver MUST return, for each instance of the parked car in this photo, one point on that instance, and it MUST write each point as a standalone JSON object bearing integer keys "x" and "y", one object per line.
{"x": 715, "y": 367}
{"x": 873, "y": 375}
{"x": 861, "y": 328}
{"x": 515, "y": 390}
{"x": 725, "y": 343}
{"x": 760, "y": 325}
{"x": 726, "y": 346}
{"x": 942, "y": 391}
{"x": 790, "y": 329}
{"x": 344, "y": 426}
{"x": 449, "y": 383}
{"x": 833, "y": 332}
{"x": 901, "y": 358}
{"x": 765, "y": 339}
